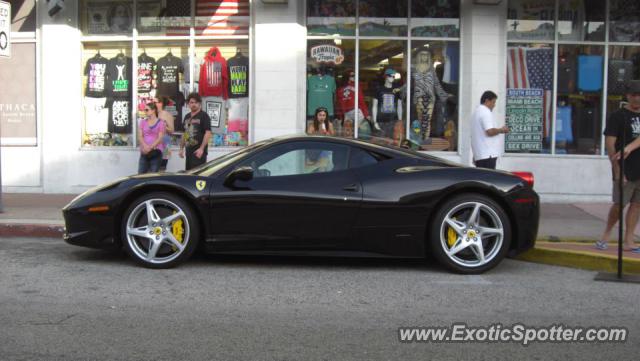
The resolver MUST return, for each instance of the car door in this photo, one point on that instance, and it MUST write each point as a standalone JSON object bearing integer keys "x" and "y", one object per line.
{"x": 301, "y": 197}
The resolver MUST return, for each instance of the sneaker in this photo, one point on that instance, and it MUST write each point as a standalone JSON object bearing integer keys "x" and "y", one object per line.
{"x": 635, "y": 250}
{"x": 601, "y": 245}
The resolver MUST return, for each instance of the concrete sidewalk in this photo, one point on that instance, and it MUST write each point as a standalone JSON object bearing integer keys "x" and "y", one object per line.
{"x": 565, "y": 237}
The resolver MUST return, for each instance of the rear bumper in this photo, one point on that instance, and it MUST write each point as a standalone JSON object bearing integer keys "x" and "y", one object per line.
{"x": 525, "y": 208}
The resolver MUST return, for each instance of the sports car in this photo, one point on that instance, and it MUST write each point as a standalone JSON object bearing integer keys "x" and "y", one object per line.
{"x": 314, "y": 195}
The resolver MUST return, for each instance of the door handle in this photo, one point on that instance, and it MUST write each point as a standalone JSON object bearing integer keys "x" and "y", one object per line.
{"x": 351, "y": 188}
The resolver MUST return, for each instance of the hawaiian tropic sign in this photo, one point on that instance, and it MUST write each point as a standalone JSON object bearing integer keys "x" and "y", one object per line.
{"x": 5, "y": 29}
{"x": 327, "y": 54}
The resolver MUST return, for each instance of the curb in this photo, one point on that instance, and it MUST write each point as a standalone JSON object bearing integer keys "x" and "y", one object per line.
{"x": 580, "y": 260}
{"x": 31, "y": 230}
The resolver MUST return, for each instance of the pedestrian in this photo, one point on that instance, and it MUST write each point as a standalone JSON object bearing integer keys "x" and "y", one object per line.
{"x": 151, "y": 131}
{"x": 167, "y": 117}
{"x": 321, "y": 124}
{"x": 197, "y": 132}
{"x": 627, "y": 120}
{"x": 485, "y": 142}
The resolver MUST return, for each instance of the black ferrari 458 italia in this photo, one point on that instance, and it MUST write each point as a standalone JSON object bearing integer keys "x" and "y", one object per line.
{"x": 314, "y": 195}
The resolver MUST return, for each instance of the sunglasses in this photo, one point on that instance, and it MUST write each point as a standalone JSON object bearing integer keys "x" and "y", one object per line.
{"x": 147, "y": 109}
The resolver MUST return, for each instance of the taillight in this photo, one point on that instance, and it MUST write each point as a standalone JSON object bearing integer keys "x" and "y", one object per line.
{"x": 525, "y": 176}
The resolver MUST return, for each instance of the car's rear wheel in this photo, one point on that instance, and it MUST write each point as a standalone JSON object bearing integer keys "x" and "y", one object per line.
{"x": 160, "y": 230}
{"x": 470, "y": 234}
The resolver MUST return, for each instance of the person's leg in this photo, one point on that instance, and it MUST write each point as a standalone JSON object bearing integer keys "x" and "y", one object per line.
{"x": 631, "y": 221}
{"x": 154, "y": 163}
{"x": 632, "y": 214}
{"x": 163, "y": 164}
{"x": 143, "y": 165}
{"x": 612, "y": 219}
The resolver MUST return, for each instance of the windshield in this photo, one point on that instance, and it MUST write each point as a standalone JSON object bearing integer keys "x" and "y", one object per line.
{"x": 215, "y": 165}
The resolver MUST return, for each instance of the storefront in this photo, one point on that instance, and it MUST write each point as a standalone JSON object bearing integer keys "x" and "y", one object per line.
{"x": 415, "y": 69}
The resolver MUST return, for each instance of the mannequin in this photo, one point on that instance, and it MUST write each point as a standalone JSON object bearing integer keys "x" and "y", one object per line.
{"x": 426, "y": 88}
{"x": 386, "y": 107}
{"x": 346, "y": 107}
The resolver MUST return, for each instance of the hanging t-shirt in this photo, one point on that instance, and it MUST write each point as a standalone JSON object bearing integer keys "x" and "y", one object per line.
{"x": 195, "y": 69}
{"x": 119, "y": 75}
{"x": 320, "y": 93}
{"x": 238, "y": 76}
{"x": 214, "y": 78}
{"x": 146, "y": 67}
{"x": 119, "y": 116}
{"x": 168, "y": 69}
{"x": 96, "y": 71}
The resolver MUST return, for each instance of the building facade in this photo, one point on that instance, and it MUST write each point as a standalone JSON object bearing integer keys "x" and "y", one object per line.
{"x": 416, "y": 70}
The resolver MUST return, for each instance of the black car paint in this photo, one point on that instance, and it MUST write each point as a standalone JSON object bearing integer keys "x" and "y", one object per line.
{"x": 350, "y": 212}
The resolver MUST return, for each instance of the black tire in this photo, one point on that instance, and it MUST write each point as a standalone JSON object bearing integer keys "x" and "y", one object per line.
{"x": 157, "y": 244}
{"x": 461, "y": 250}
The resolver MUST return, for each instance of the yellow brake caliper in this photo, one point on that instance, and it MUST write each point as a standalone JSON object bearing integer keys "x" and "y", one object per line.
{"x": 178, "y": 231}
{"x": 451, "y": 236}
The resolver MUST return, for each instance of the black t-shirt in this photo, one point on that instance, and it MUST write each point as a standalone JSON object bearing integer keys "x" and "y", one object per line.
{"x": 629, "y": 122}
{"x": 146, "y": 66}
{"x": 119, "y": 115}
{"x": 168, "y": 69}
{"x": 96, "y": 72}
{"x": 387, "y": 103}
{"x": 238, "y": 67}
{"x": 119, "y": 75}
{"x": 194, "y": 128}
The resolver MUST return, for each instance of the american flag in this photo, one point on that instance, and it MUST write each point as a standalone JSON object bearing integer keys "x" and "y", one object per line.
{"x": 532, "y": 68}
{"x": 222, "y": 17}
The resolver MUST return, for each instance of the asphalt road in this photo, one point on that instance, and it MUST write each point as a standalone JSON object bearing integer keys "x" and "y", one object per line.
{"x": 59, "y": 302}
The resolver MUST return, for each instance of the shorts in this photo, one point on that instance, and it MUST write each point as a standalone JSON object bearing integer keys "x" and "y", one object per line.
{"x": 631, "y": 192}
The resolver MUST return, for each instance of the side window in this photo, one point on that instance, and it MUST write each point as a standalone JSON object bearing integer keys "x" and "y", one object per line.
{"x": 361, "y": 158}
{"x": 299, "y": 158}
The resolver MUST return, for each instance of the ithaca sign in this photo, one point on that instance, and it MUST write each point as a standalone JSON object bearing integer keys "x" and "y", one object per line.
{"x": 327, "y": 54}
{"x": 18, "y": 101}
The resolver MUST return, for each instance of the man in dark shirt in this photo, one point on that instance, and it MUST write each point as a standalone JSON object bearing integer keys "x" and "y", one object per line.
{"x": 197, "y": 132}
{"x": 624, "y": 124}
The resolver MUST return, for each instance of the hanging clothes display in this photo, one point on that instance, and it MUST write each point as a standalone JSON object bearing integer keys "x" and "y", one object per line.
{"x": 214, "y": 80}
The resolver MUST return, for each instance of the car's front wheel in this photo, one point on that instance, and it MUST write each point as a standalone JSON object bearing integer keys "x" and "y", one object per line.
{"x": 160, "y": 230}
{"x": 470, "y": 234}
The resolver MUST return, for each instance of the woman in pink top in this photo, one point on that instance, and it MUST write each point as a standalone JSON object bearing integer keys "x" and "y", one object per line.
{"x": 150, "y": 133}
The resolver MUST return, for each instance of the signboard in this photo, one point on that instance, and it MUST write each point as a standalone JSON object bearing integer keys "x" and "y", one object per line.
{"x": 524, "y": 118}
{"x": 327, "y": 54}
{"x": 18, "y": 101}
{"x": 5, "y": 29}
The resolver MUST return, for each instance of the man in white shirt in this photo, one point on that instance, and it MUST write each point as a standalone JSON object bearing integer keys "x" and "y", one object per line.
{"x": 485, "y": 142}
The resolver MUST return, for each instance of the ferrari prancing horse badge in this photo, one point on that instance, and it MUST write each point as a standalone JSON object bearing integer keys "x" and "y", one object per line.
{"x": 201, "y": 184}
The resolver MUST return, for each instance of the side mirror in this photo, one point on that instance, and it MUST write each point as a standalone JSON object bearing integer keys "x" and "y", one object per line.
{"x": 242, "y": 173}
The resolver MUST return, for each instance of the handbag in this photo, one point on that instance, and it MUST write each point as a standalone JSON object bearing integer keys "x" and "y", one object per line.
{"x": 154, "y": 153}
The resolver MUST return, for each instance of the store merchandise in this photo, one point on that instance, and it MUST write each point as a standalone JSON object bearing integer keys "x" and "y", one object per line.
{"x": 146, "y": 70}
{"x": 619, "y": 72}
{"x": 119, "y": 115}
{"x": 321, "y": 90}
{"x": 214, "y": 80}
{"x": 119, "y": 76}
{"x": 590, "y": 73}
{"x": 238, "y": 67}
{"x": 168, "y": 70}
{"x": 215, "y": 108}
{"x": 96, "y": 115}
{"x": 96, "y": 72}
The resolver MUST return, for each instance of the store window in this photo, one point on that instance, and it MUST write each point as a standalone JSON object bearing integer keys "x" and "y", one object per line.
{"x": 165, "y": 53}
{"x": 23, "y": 15}
{"x": 329, "y": 17}
{"x": 405, "y": 85}
{"x": 561, "y": 46}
